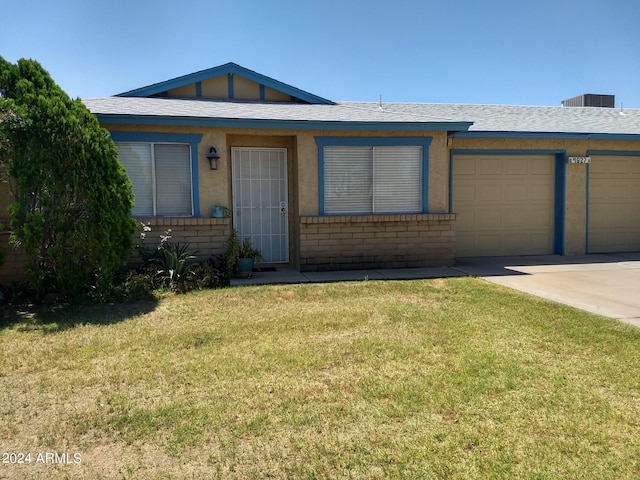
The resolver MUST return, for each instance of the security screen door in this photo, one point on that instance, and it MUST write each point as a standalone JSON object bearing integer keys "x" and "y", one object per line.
{"x": 260, "y": 200}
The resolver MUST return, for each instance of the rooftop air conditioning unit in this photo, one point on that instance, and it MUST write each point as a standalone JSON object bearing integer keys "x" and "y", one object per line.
{"x": 590, "y": 100}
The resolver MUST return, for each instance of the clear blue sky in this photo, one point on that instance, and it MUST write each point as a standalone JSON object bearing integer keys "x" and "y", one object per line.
{"x": 536, "y": 52}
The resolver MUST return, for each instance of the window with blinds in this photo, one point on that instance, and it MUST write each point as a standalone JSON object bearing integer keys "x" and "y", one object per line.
{"x": 373, "y": 179}
{"x": 161, "y": 177}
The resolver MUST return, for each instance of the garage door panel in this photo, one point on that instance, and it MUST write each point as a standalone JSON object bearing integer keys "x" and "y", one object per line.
{"x": 507, "y": 207}
{"x": 466, "y": 168}
{"x": 490, "y": 192}
{"x": 608, "y": 216}
{"x": 538, "y": 218}
{"x": 487, "y": 217}
{"x": 517, "y": 166}
{"x": 516, "y": 193}
{"x": 540, "y": 193}
{"x": 489, "y": 166}
{"x": 614, "y": 204}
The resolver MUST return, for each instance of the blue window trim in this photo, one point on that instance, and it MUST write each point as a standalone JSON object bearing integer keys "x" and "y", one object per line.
{"x": 153, "y": 137}
{"x": 612, "y": 153}
{"x": 423, "y": 142}
{"x": 560, "y": 186}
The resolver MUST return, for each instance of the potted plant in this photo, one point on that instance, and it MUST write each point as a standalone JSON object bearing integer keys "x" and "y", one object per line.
{"x": 240, "y": 257}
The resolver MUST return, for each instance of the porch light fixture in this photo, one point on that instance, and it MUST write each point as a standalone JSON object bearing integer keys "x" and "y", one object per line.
{"x": 213, "y": 158}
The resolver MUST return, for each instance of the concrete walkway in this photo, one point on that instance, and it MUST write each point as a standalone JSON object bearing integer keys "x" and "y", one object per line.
{"x": 605, "y": 284}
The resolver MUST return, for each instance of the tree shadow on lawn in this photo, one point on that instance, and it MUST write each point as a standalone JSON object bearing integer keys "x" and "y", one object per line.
{"x": 57, "y": 318}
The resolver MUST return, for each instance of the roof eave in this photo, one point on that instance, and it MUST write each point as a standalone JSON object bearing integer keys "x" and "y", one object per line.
{"x": 116, "y": 119}
{"x": 546, "y": 135}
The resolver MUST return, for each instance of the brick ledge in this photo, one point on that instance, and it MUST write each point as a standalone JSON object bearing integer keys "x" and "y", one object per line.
{"x": 425, "y": 217}
{"x": 182, "y": 221}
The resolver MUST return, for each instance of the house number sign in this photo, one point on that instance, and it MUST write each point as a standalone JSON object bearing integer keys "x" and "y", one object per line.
{"x": 579, "y": 160}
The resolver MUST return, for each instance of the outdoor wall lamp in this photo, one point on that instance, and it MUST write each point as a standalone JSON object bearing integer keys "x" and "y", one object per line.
{"x": 213, "y": 158}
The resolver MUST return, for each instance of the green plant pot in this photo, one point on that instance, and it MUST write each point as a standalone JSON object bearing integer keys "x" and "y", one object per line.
{"x": 218, "y": 212}
{"x": 245, "y": 267}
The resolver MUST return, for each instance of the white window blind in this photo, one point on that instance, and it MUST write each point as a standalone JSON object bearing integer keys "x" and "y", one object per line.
{"x": 173, "y": 180}
{"x": 161, "y": 177}
{"x": 373, "y": 179}
{"x": 138, "y": 162}
{"x": 348, "y": 179}
{"x": 397, "y": 179}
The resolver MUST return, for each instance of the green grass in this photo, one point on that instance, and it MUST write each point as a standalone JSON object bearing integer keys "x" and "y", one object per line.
{"x": 453, "y": 378}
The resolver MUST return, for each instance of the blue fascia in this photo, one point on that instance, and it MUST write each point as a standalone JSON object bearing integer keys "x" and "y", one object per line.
{"x": 193, "y": 139}
{"x": 623, "y": 153}
{"x": 278, "y": 124}
{"x": 547, "y": 135}
{"x": 423, "y": 142}
{"x": 226, "y": 69}
{"x": 560, "y": 186}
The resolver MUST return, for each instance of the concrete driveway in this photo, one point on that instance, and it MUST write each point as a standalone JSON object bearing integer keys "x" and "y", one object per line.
{"x": 606, "y": 284}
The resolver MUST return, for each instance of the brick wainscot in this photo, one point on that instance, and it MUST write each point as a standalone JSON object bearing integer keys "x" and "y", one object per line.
{"x": 376, "y": 241}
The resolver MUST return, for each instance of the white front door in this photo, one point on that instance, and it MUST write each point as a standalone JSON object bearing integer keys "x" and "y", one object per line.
{"x": 260, "y": 209}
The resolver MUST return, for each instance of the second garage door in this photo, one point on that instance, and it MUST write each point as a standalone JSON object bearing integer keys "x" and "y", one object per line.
{"x": 505, "y": 204}
{"x": 614, "y": 204}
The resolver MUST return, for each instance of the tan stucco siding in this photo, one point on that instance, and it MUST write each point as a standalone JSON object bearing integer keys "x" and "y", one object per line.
{"x": 271, "y": 95}
{"x": 244, "y": 89}
{"x": 217, "y": 87}
{"x": 188, "y": 91}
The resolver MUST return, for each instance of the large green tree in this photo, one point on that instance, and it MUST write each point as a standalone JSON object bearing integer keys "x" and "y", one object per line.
{"x": 73, "y": 199}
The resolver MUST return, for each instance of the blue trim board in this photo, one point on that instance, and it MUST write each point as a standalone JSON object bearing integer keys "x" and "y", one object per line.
{"x": 547, "y": 135}
{"x": 118, "y": 136}
{"x": 193, "y": 139}
{"x": 198, "y": 89}
{"x": 560, "y": 202}
{"x": 230, "y": 93}
{"x": 560, "y": 186}
{"x": 262, "y": 92}
{"x": 625, "y": 153}
{"x": 227, "y": 68}
{"x": 278, "y": 124}
{"x": 423, "y": 142}
{"x": 612, "y": 153}
{"x": 586, "y": 232}
{"x": 505, "y": 152}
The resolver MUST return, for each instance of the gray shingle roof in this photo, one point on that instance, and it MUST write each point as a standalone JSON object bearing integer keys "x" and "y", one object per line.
{"x": 485, "y": 118}
{"x": 509, "y": 118}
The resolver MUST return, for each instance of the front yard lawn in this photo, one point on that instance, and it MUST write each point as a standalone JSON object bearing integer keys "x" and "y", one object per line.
{"x": 453, "y": 378}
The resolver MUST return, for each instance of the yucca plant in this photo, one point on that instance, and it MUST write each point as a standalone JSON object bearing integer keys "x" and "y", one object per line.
{"x": 175, "y": 266}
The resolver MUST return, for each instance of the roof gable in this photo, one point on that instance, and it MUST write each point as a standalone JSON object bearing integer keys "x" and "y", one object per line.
{"x": 228, "y": 82}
